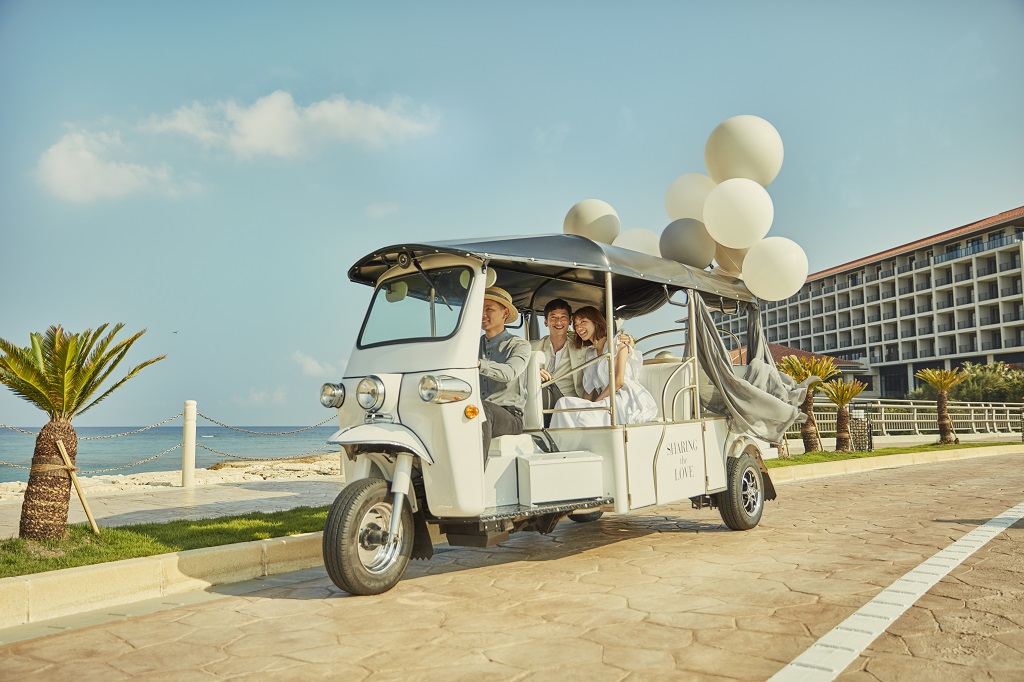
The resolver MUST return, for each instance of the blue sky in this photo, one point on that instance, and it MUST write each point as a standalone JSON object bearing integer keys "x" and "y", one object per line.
{"x": 210, "y": 170}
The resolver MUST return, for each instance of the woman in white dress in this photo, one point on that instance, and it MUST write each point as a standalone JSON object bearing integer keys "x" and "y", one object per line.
{"x": 634, "y": 404}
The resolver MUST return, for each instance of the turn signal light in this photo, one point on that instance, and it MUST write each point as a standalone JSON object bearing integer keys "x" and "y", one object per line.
{"x": 472, "y": 411}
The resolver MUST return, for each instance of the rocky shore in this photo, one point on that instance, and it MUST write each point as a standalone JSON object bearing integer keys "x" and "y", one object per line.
{"x": 232, "y": 471}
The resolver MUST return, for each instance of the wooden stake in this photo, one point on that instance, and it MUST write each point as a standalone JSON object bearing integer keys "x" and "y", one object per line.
{"x": 74, "y": 479}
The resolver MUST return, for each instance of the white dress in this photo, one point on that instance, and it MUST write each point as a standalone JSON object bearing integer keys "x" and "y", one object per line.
{"x": 634, "y": 404}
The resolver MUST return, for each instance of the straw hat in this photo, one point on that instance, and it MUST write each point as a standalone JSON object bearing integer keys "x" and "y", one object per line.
{"x": 502, "y": 298}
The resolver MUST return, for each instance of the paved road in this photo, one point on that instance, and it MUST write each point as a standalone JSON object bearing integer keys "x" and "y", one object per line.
{"x": 663, "y": 596}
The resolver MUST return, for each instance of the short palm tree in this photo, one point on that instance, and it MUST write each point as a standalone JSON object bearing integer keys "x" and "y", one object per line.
{"x": 841, "y": 393}
{"x": 60, "y": 373}
{"x": 802, "y": 369}
{"x": 942, "y": 380}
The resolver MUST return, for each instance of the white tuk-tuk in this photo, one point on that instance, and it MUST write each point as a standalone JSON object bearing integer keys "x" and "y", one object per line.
{"x": 410, "y": 409}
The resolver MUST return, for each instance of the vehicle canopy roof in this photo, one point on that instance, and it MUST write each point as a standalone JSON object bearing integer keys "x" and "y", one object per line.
{"x": 536, "y": 269}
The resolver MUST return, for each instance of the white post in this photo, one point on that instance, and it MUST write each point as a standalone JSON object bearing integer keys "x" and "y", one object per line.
{"x": 188, "y": 446}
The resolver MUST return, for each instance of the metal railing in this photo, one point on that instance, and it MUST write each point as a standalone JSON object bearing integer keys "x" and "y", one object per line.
{"x": 919, "y": 417}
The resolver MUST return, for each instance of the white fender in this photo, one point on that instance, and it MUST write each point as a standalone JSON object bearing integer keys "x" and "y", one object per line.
{"x": 391, "y": 435}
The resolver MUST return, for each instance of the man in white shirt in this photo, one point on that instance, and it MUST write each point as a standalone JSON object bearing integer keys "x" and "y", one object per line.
{"x": 562, "y": 355}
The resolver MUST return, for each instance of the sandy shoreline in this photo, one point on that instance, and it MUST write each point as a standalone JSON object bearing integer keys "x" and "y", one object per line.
{"x": 234, "y": 471}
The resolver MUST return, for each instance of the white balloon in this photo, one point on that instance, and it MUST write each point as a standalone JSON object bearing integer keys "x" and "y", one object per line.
{"x": 639, "y": 239}
{"x": 685, "y": 196}
{"x": 738, "y": 213}
{"x": 730, "y": 261}
{"x": 594, "y": 219}
{"x": 687, "y": 240}
{"x": 744, "y": 147}
{"x": 775, "y": 268}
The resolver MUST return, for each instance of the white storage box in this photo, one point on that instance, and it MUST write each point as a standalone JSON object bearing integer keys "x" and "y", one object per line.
{"x": 559, "y": 477}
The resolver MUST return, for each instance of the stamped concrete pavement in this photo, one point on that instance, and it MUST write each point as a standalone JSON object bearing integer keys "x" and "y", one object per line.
{"x": 667, "y": 595}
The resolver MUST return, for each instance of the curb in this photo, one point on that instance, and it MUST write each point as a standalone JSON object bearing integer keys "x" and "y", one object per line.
{"x": 40, "y": 597}
{"x": 69, "y": 591}
{"x": 804, "y": 472}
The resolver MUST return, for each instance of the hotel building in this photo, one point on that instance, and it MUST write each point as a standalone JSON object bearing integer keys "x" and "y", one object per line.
{"x": 937, "y": 302}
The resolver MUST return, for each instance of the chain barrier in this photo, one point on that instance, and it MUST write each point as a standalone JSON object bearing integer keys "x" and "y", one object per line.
{"x": 263, "y": 433}
{"x": 132, "y": 433}
{"x": 15, "y": 428}
{"x": 113, "y": 435}
{"x": 322, "y": 448}
{"x": 128, "y": 466}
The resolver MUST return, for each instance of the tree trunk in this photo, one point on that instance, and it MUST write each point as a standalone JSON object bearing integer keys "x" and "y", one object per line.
{"x": 842, "y": 429}
{"x": 809, "y": 429}
{"x": 44, "y": 512}
{"x": 945, "y": 423}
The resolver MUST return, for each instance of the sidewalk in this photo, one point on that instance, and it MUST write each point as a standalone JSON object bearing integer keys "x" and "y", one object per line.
{"x": 153, "y": 504}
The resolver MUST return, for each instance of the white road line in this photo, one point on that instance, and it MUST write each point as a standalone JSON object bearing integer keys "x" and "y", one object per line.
{"x": 830, "y": 655}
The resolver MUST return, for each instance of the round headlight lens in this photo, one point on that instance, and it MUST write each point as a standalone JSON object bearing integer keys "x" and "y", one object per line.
{"x": 332, "y": 395}
{"x": 370, "y": 394}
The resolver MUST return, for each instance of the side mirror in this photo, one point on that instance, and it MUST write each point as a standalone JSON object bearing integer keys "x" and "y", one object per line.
{"x": 396, "y": 291}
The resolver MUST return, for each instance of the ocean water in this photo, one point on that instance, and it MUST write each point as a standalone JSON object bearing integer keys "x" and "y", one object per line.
{"x": 16, "y": 447}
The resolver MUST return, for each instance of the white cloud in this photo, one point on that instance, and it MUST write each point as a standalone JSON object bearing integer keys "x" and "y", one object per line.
{"x": 261, "y": 397}
{"x": 314, "y": 368}
{"x": 381, "y": 210}
{"x": 79, "y": 168}
{"x": 276, "y": 126}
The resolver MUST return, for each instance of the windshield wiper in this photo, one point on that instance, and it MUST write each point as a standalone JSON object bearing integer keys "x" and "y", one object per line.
{"x": 433, "y": 285}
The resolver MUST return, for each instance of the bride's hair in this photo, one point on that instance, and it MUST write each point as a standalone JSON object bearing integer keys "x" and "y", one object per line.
{"x": 589, "y": 312}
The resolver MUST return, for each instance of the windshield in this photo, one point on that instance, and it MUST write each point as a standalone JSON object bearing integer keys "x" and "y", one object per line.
{"x": 423, "y": 305}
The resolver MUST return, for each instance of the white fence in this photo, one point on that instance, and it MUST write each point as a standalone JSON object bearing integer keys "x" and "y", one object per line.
{"x": 918, "y": 417}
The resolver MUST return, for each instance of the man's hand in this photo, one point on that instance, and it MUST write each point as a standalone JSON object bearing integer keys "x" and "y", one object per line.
{"x": 545, "y": 375}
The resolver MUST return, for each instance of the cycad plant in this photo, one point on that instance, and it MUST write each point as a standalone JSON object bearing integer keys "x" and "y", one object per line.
{"x": 842, "y": 393}
{"x": 942, "y": 380}
{"x": 802, "y": 368}
{"x": 59, "y": 373}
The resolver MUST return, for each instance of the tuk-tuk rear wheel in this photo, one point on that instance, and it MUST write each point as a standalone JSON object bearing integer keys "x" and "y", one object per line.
{"x": 357, "y": 557}
{"x": 584, "y": 516}
{"x": 742, "y": 502}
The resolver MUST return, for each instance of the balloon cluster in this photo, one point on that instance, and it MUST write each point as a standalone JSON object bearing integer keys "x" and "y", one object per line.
{"x": 722, "y": 216}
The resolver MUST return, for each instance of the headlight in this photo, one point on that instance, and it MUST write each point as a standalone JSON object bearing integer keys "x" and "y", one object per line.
{"x": 370, "y": 394}
{"x": 332, "y": 395}
{"x": 443, "y": 389}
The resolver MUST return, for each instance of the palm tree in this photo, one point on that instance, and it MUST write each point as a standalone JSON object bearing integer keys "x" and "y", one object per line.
{"x": 841, "y": 393}
{"x": 801, "y": 368}
{"x": 942, "y": 380}
{"x": 59, "y": 373}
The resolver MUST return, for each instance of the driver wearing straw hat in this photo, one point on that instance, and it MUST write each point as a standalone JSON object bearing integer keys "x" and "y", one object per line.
{"x": 503, "y": 362}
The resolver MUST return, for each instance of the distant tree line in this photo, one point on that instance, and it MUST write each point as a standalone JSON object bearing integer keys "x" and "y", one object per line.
{"x": 997, "y": 383}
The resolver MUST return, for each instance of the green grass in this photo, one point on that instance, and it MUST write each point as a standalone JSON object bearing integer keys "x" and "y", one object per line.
{"x": 80, "y": 547}
{"x": 815, "y": 457}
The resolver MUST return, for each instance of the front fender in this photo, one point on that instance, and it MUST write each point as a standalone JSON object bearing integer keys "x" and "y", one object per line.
{"x": 393, "y": 436}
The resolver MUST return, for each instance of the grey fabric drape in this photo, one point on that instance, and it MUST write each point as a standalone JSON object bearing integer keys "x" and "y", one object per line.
{"x": 757, "y": 398}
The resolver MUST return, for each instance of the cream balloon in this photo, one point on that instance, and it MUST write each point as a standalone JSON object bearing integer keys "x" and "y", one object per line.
{"x": 685, "y": 196}
{"x": 775, "y": 268}
{"x": 639, "y": 239}
{"x": 738, "y": 213}
{"x": 730, "y": 261}
{"x": 594, "y": 219}
{"x": 687, "y": 241}
{"x": 744, "y": 147}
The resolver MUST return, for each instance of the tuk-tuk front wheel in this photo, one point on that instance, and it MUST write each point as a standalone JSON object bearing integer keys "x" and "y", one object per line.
{"x": 742, "y": 502}
{"x": 358, "y": 555}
